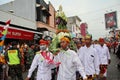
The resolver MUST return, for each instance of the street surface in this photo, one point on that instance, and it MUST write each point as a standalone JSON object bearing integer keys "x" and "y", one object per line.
{"x": 113, "y": 72}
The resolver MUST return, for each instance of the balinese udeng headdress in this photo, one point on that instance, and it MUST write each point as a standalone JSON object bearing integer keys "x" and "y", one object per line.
{"x": 43, "y": 42}
{"x": 101, "y": 40}
{"x": 65, "y": 39}
{"x": 88, "y": 36}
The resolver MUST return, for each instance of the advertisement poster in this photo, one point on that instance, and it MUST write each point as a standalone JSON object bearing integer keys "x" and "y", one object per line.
{"x": 111, "y": 20}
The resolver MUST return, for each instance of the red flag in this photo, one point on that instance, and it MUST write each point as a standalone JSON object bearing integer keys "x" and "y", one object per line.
{"x": 8, "y": 22}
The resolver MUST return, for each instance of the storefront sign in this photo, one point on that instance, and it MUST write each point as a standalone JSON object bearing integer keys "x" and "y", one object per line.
{"x": 18, "y": 34}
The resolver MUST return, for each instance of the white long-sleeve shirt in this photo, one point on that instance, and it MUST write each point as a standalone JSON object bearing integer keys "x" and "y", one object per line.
{"x": 104, "y": 54}
{"x": 70, "y": 63}
{"x": 44, "y": 68}
{"x": 90, "y": 60}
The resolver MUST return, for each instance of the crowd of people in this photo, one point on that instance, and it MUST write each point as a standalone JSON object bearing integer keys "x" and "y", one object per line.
{"x": 89, "y": 61}
{"x": 117, "y": 52}
{"x": 18, "y": 58}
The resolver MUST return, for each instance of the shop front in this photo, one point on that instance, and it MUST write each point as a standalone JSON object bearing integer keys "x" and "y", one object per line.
{"x": 18, "y": 34}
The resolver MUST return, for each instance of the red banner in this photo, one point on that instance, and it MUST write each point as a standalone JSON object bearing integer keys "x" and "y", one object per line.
{"x": 83, "y": 27}
{"x": 18, "y": 34}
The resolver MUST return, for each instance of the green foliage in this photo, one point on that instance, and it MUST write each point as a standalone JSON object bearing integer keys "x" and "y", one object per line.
{"x": 62, "y": 27}
{"x": 72, "y": 45}
{"x": 59, "y": 26}
{"x": 54, "y": 45}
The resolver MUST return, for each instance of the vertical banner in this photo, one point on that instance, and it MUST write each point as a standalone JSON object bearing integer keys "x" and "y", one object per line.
{"x": 83, "y": 27}
{"x": 111, "y": 20}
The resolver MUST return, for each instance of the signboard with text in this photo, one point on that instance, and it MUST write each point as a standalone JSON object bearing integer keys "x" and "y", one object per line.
{"x": 18, "y": 34}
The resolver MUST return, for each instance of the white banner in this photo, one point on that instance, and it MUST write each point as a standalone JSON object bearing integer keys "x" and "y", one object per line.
{"x": 5, "y": 1}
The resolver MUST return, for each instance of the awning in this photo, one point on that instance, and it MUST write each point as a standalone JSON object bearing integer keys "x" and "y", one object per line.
{"x": 16, "y": 33}
{"x": 19, "y": 32}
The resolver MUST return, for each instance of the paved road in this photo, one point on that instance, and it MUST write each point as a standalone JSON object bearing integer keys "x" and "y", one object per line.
{"x": 113, "y": 72}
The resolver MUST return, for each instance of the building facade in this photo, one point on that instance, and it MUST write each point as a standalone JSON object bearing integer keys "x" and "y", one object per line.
{"x": 22, "y": 15}
{"x": 28, "y": 16}
{"x": 21, "y": 12}
{"x": 45, "y": 17}
{"x": 73, "y": 25}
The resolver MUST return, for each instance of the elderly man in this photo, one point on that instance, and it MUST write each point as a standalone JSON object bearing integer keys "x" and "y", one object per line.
{"x": 42, "y": 59}
{"x": 89, "y": 59}
{"x": 70, "y": 62}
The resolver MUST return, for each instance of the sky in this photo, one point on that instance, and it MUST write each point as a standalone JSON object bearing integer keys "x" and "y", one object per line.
{"x": 5, "y": 1}
{"x": 90, "y": 11}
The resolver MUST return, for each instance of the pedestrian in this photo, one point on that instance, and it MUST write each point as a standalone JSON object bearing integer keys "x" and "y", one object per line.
{"x": 1, "y": 71}
{"x": 3, "y": 67}
{"x": 13, "y": 58}
{"x": 118, "y": 51}
{"x": 37, "y": 48}
{"x": 43, "y": 60}
{"x": 104, "y": 57}
{"x": 54, "y": 70}
{"x": 30, "y": 55}
{"x": 96, "y": 44}
{"x": 22, "y": 60}
{"x": 70, "y": 63}
{"x": 29, "y": 58}
{"x": 78, "y": 45}
{"x": 25, "y": 51}
{"x": 89, "y": 59}
{"x": 118, "y": 55}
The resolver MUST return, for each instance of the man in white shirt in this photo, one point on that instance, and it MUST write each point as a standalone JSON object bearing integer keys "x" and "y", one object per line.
{"x": 104, "y": 57}
{"x": 96, "y": 44}
{"x": 42, "y": 59}
{"x": 70, "y": 62}
{"x": 89, "y": 59}
{"x": 78, "y": 43}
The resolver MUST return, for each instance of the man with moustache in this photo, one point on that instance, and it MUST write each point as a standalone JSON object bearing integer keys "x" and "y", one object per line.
{"x": 70, "y": 62}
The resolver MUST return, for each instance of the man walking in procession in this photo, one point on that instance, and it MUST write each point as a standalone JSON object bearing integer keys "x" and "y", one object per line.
{"x": 89, "y": 59}
{"x": 70, "y": 62}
